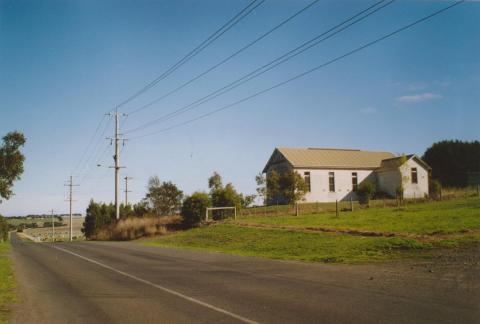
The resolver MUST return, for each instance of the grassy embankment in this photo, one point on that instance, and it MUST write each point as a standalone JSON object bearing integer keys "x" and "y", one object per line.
{"x": 6, "y": 282}
{"x": 401, "y": 233}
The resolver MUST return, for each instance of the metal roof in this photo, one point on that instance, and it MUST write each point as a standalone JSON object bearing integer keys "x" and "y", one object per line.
{"x": 329, "y": 158}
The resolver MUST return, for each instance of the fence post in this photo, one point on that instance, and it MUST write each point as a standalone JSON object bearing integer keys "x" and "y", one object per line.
{"x": 235, "y": 213}
{"x": 351, "y": 204}
{"x": 296, "y": 209}
{"x": 336, "y": 207}
{"x": 206, "y": 214}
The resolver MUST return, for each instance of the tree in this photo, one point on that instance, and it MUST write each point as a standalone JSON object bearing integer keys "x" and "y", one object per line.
{"x": 287, "y": 187}
{"x": 404, "y": 178}
{"x": 164, "y": 198}
{"x": 365, "y": 192}
{"x": 3, "y": 229}
{"x": 11, "y": 162}
{"x": 194, "y": 207}
{"x": 247, "y": 200}
{"x": 215, "y": 181}
{"x": 261, "y": 181}
{"x": 273, "y": 187}
{"x": 453, "y": 161}
{"x": 140, "y": 209}
{"x": 225, "y": 196}
{"x": 98, "y": 215}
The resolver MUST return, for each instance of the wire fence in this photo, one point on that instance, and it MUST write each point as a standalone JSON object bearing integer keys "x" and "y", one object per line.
{"x": 304, "y": 208}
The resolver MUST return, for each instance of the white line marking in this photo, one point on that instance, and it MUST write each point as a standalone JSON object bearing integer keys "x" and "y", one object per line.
{"x": 170, "y": 291}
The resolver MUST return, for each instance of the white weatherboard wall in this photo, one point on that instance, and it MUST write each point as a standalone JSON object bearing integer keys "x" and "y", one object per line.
{"x": 319, "y": 184}
{"x": 414, "y": 190}
{"x": 389, "y": 181}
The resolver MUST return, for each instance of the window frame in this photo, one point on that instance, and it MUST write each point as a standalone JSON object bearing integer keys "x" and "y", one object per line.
{"x": 354, "y": 181}
{"x": 414, "y": 175}
{"x": 309, "y": 182}
{"x": 331, "y": 181}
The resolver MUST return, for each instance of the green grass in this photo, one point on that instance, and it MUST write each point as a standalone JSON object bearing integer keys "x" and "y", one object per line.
{"x": 426, "y": 218}
{"x": 460, "y": 219}
{"x": 7, "y": 282}
{"x": 16, "y": 222}
{"x": 291, "y": 245}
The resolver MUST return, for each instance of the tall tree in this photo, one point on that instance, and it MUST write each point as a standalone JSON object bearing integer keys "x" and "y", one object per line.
{"x": 164, "y": 198}
{"x": 261, "y": 186}
{"x": 98, "y": 215}
{"x": 287, "y": 187}
{"x": 215, "y": 181}
{"x": 11, "y": 162}
{"x": 453, "y": 162}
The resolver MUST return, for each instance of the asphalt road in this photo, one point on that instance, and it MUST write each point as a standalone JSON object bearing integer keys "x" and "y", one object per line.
{"x": 121, "y": 282}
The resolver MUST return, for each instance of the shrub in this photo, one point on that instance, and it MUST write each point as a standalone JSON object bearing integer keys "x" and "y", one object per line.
{"x": 435, "y": 188}
{"x": 135, "y": 227}
{"x": 3, "y": 229}
{"x": 194, "y": 207}
{"x": 365, "y": 192}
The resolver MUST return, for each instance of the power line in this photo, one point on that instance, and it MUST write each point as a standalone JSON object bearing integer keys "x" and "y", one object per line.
{"x": 338, "y": 58}
{"x": 219, "y": 32}
{"x": 224, "y": 60}
{"x": 96, "y": 150}
{"x": 88, "y": 145}
{"x": 272, "y": 64}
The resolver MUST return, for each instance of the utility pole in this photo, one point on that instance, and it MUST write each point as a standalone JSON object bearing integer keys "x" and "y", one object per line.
{"x": 53, "y": 228}
{"x": 126, "y": 189}
{"x": 70, "y": 199}
{"x": 116, "y": 158}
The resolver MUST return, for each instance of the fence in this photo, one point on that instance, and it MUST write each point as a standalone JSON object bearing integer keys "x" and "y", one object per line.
{"x": 332, "y": 207}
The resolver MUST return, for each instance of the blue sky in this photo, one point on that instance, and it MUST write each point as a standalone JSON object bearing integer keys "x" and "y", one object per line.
{"x": 63, "y": 64}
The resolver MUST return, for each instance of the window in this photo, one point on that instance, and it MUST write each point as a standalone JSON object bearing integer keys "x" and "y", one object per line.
{"x": 331, "y": 181}
{"x": 354, "y": 181}
{"x": 414, "y": 175}
{"x": 306, "y": 177}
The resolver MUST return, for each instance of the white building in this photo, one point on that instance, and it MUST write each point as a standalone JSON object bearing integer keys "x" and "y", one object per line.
{"x": 334, "y": 174}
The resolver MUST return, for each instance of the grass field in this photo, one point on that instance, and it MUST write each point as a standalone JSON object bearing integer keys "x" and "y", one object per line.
{"x": 280, "y": 244}
{"x": 448, "y": 224}
{"x": 444, "y": 217}
{"x": 6, "y": 282}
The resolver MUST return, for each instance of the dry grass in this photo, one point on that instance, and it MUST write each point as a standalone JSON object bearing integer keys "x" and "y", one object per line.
{"x": 135, "y": 227}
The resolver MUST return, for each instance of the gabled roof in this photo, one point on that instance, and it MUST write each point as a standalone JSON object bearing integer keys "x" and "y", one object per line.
{"x": 396, "y": 162}
{"x": 319, "y": 158}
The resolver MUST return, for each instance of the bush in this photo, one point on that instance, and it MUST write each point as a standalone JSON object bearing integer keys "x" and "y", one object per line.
{"x": 3, "y": 229}
{"x": 131, "y": 228}
{"x": 365, "y": 192}
{"x": 194, "y": 208}
{"x": 435, "y": 189}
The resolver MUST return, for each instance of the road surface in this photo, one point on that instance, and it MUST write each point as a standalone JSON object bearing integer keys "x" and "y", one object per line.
{"x": 124, "y": 282}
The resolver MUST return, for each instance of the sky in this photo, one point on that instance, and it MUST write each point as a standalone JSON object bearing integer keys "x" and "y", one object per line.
{"x": 64, "y": 64}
